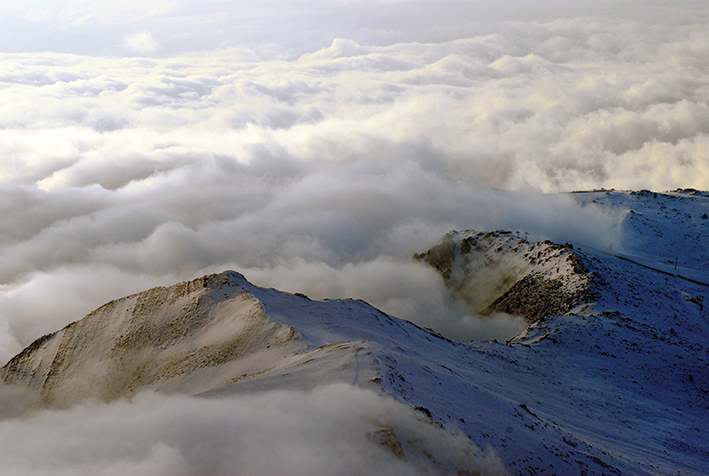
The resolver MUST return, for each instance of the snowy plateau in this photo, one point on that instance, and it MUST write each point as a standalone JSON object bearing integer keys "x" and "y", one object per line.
{"x": 609, "y": 378}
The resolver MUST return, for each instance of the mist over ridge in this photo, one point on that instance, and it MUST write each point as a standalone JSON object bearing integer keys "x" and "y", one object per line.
{"x": 545, "y": 400}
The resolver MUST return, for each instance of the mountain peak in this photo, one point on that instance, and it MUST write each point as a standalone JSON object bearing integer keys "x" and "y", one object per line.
{"x": 205, "y": 336}
{"x": 501, "y": 271}
{"x": 159, "y": 339}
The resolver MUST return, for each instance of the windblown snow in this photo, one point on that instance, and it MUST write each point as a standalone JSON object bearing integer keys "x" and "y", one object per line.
{"x": 609, "y": 378}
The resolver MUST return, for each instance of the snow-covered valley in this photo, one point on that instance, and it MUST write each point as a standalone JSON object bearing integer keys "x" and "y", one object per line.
{"x": 610, "y": 376}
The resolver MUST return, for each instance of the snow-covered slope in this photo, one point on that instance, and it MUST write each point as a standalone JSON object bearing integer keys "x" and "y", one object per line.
{"x": 620, "y": 381}
{"x": 610, "y": 377}
{"x": 660, "y": 229}
{"x": 616, "y": 359}
{"x": 220, "y": 335}
{"x": 194, "y": 337}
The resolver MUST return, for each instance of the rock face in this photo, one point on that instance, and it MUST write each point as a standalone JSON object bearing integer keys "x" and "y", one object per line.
{"x": 500, "y": 272}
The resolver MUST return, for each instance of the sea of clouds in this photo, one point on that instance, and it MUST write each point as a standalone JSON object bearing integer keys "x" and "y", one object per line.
{"x": 316, "y": 146}
{"x": 317, "y": 163}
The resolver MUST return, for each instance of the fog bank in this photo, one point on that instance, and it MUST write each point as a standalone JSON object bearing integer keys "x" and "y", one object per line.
{"x": 335, "y": 429}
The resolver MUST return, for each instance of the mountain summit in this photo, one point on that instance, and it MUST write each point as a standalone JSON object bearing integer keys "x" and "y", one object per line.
{"x": 195, "y": 337}
{"x": 500, "y": 272}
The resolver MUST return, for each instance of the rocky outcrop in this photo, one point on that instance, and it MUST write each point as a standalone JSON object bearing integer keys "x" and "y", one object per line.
{"x": 502, "y": 272}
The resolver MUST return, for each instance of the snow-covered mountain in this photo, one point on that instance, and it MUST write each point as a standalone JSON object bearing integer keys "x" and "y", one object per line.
{"x": 609, "y": 378}
{"x": 199, "y": 336}
{"x": 221, "y": 335}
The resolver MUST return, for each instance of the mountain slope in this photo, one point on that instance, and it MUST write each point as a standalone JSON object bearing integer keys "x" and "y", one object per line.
{"x": 667, "y": 231}
{"x": 189, "y": 338}
{"x": 609, "y": 378}
{"x": 615, "y": 359}
{"x": 623, "y": 379}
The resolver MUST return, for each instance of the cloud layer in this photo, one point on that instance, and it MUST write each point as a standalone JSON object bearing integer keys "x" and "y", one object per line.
{"x": 323, "y": 172}
{"x": 176, "y": 435}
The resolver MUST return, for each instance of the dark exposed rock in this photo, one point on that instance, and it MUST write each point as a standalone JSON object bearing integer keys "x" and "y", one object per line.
{"x": 440, "y": 256}
{"x": 535, "y": 298}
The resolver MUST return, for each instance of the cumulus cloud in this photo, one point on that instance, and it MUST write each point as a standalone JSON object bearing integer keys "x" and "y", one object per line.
{"x": 349, "y": 232}
{"x": 344, "y": 161}
{"x": 141, "y": 42}
{"x": 279, "y": 432}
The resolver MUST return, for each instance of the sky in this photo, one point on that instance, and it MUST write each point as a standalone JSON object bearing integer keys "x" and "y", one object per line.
{"x": 315, "y": 146}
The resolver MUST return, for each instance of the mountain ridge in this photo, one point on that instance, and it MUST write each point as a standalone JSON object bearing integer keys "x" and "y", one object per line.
{"x": 612, "y": 382}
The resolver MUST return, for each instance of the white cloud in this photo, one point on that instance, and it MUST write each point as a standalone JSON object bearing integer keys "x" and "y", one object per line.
{"x": 349, "y": 232}
{"x": 167, "y": 167}
{"x": 141, "y": 42}
{"x": 506, "y": 110}
{"x": 279, "y": 432}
